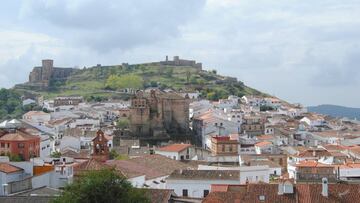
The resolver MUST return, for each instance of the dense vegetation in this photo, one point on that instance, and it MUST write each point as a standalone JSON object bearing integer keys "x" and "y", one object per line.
{"x": 101, "y": 186}
{"x": 101, "y": 82}
{"x": 115, "y": 82}
{"x": 11, "y": 105}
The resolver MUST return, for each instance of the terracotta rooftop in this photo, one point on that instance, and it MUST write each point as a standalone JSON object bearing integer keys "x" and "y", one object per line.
{"x": 8, "y": 168}
{"x": 174, "y": 147}
{"x": 82, "y": 154}
{"x": 35, "y": 113}
{"x": 158, "y": 195}
{"x": 312, "y": 164}
{"x": 152, "y": 166}
{"x": 303, "y": 193}
{"x": 263, "y": 144}
{"x": 337, "y": 193}
{"x": 328, "y": 133}
{"x": 314, "y": 153}
{"x": 18, "y": 136}
{"x": 88, "y": 165}
{"x": 265, "y": 137}
{"x": 332, "y": 147}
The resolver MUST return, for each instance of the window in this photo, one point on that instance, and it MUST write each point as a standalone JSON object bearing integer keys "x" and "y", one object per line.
{"x": 21, "y": 145}
{"x": 2, "y": 145}
{"x": 262, "y": 198}
{"x": 206, "y": 192}
{"x": 185, "y": 193}
{"x": 223, "y": 148}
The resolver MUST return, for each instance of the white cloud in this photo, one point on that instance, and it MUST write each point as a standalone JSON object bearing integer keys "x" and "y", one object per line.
{"x": 303, "y": 51}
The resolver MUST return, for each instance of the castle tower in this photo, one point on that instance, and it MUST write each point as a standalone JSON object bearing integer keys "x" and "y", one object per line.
{"x": 140, "y": 116}
{"x": 46, "y": 69}
{"x": 176, "y": 60}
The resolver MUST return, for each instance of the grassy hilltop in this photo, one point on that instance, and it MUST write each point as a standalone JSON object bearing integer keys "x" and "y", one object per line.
{"x": 94, "y": 82}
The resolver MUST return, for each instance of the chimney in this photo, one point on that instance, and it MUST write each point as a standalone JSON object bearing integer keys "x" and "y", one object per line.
{"x": 285, "y": 188}
{"x": 325, "y": 189}
{"x": 281, "y": 189}
{"x": 5, "y": 189}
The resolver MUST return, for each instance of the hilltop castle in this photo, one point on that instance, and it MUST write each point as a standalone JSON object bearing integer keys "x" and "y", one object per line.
{"x": 181, "y": 62}
{"x": 41, "y": 76}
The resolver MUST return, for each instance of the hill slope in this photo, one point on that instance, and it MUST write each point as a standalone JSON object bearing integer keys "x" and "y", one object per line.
{"x": 336, "y": 111}
{"x": 91, "y": 82}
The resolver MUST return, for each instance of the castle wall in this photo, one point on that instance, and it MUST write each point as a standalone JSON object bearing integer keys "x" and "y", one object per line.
{"x": 140, "y": 117}
{"x": 40, "y": 76}
{"x": 35, "y": 75}
{"x": 181, "y": 114}
{"x": 61, "y": 73}
{"x": 181, "y": 62}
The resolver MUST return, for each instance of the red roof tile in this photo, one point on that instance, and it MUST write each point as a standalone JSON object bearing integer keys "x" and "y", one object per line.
{"x": 174, "y": 147}
{"x": 8, "y": 168}
{"x": 262, "y": 144}
{"x": 18, "y": 136}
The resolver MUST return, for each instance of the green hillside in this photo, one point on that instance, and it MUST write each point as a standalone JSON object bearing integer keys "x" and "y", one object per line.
{"x": 92, "y": 82}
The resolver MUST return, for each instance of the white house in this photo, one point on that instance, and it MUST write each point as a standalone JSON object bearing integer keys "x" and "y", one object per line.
{"x": 213, "y": 123}
{"x": 9, "y": 174}
{"x": 328, "y": 137}
{"x": 28, "y": 101}
{"x": 264, "y": 147}
{"x": 314, "y": 120}
{"x": 197, "y": 183}
{"x": 254, "y": 174}
{"x": 257, "y": 171}
{"x": 183, "y": 152}
{"x": 45, "y": 146}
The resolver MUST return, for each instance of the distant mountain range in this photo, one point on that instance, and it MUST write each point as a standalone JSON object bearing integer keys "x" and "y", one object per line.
{"x": 336, "y": 111}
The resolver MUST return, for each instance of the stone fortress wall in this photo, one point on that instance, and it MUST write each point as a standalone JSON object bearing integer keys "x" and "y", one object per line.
{"x": 41, "y": 75}
{"x": 181, "y": 62}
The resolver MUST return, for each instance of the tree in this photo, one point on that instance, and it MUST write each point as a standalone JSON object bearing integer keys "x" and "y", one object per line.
{"x": 14, "y": 157}
{"x": 113, "y": 154}
{"x": 10, "y": 104}
{"x": 188, "y": 76}
{"x": 105, "y": 185}
{"x": 55, "y": 154}
{"x": 169, "y": 72}
{"x": 122, "y": 123}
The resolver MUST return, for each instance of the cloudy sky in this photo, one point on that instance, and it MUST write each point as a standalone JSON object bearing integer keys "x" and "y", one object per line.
{"x": 300, "y": 50}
